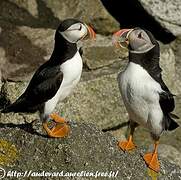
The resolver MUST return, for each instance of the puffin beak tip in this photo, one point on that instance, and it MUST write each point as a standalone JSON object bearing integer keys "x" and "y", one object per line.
{"x": 91, "y": 32}
{"x": 119, "y": 34}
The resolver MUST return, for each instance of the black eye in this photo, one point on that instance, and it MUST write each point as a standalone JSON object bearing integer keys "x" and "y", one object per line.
{"x": 139, "y": 35}
{"x": 80, "y": 27}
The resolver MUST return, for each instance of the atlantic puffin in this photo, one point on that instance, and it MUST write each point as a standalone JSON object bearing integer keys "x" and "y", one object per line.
{"x": 147, "y": 99}
{"x": 55, "y": 79}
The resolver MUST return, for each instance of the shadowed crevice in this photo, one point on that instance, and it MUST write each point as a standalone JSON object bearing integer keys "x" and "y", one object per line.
{"x": 25, "y": 127}
{"x": 130, "y": 14}
{"x": 124, "y": 124}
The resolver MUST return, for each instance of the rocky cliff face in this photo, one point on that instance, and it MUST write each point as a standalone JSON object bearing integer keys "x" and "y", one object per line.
{"x": 26, "y": 40}
{"x": 86, "y": 149}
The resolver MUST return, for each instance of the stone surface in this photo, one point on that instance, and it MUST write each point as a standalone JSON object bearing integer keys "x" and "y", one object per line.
{"x": 12, "y": 91}
{"x": 176, "y": 45}
{"x": 170, "y": 153}
{"x": 97, "y": 101}
{"x": 167, "y": 63}
{"x": 166, "y": 12}
{"x": 21, "y": 56}
{"x": 101, "y": 53}
{"x": 40, "y": 37}
{"x": 90, "y": 11}
{"x": 47, "y": 13}
{"x": 86, "y": 149}
{"x": 30, "y": 6}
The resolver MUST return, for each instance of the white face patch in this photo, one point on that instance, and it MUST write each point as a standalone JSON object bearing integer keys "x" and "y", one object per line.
{"x": 75, "y": 32}
{"x": 140, "y": 42}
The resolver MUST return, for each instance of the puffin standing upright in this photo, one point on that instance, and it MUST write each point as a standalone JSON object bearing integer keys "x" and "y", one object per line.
{"x": 55, "y": 79}
{"x": 146, "y": 97}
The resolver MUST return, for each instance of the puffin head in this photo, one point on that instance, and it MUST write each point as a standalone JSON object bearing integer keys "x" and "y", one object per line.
{"x": 136, "y": 40}
{"x": 74, "y": 30}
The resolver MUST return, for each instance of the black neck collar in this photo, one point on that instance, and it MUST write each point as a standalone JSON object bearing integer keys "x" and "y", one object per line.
{"x": 63, "y": 50}
{"x": 148, "y": 60}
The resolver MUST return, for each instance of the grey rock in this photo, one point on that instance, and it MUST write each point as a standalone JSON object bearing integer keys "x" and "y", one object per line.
{"x": 170, "y": 153}
{"x": 97, "y": 101}
{"x": 86, "y": 149}
{"x": 3, "y": 60}
{"x": 13, "y": 91}
{"x": 101, "y": 53}
{"x": 47, "y": 13}
{"x": 90, "y": 11}
{"x": 166, "y": 12}
{"x": 30, "y": 5}
{"x": 176, "y": 45}
{"x": 167, "y": 63}
{"x": 40, "y": 37}
{"x": 20, "y": 55}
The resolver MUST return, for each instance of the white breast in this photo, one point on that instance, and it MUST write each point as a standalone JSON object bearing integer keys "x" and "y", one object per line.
{"x": 72, "y": 70}
{"x": 140, "y": 93}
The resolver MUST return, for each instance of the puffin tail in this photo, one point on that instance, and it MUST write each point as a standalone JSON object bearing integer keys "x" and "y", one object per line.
{"x": 14, "y": 107}
{"x": 8, "y": 109}
{"x": 170, "y": 124}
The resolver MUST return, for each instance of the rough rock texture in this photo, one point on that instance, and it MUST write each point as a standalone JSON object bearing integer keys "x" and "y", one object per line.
{"x": 90, "y": 11}
{"x": 167, "y": 63}
{"x": 166, "y": 12}
{"x": 101, "y": 53}
{"x": 20, "y": 56}
{"x": 16, "y": 118}
{"x": 86, "y": 149}
{"x": 176, "y": 45}
{"x": 47, "y": 13}
{"x": 97, "y": 101}
{"x": 31, "y": 6}
{"x": 170, "y": 153}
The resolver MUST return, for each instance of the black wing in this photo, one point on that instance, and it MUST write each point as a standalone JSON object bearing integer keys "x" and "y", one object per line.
{"x": 167, "y": 102}
{"x": 42, "y": 87}
{"x": 167, "y": 105}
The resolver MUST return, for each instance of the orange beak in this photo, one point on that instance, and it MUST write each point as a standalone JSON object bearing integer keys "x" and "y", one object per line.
{"x": 121, "y": 38}
{"x": 92, "y": 34}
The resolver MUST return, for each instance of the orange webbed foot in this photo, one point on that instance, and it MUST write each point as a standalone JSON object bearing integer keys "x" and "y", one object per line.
{"x": 127, "y": 145}
{"x": 59, "y": 127}
{"x": 57, "y": 118}
{"x": 152, "y": 162}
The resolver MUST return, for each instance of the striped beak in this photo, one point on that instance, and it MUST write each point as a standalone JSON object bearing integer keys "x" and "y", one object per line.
{"x": 91, "y": 34}
{"x": 121, "y": 38}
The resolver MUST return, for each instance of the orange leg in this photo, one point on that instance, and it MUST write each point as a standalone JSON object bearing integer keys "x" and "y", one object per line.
{"x": 128, "y": 145}
{"x": 151, "y": 159}
{"x": 59, "y": 129}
